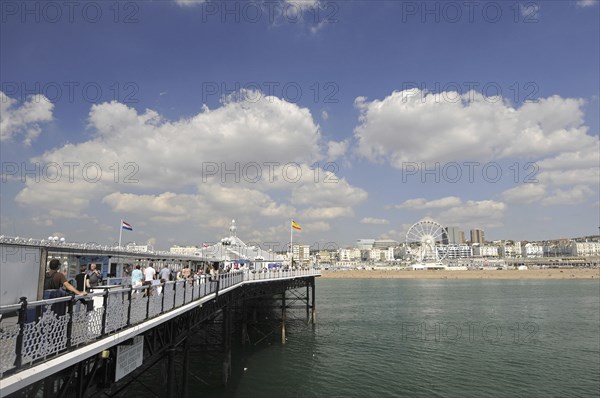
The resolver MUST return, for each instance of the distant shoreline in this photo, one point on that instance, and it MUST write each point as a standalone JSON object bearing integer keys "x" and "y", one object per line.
{"x": 567, "y": 273}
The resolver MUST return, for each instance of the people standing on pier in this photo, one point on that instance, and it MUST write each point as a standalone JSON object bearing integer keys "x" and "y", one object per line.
{"x": 164, "y": 274}
{"x": 81, "y": 280}
{"x": 186, "y": 274}
{"x": 214, "y": 272}
{"x": 82, "y": 283}
{"x": 56, "y": 279}
{"x": 149, "y": 276}
{"x": 94, "y": 276}
{"x": 137, "y": 276}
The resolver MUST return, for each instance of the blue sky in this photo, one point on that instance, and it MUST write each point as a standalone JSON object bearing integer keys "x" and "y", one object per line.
{"x": 368, "y": 90}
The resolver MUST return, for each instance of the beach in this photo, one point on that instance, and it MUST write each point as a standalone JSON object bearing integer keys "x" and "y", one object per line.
{"x": 565, "y": 273}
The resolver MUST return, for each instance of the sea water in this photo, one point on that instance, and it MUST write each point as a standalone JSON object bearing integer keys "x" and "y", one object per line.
{"x": 432, "y": 338}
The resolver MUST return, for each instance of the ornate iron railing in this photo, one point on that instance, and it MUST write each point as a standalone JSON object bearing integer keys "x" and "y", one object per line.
{"x": 32, "y": 331}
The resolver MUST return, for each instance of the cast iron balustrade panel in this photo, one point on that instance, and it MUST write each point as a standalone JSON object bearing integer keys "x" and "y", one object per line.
{"x": 8, "y": 347}
{"x": 116, "y": 311}
{"x": 87, "y": 325}
{"x": 179, "y": 292}
{"x": 139, "y": 304}
{"x": 155, "y": 307}
{"x": 46, "y": 336}
{"x": 169, "y": 295}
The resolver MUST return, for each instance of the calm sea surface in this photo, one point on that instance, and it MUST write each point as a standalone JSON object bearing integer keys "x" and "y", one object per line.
{"x": 428, "y": 338}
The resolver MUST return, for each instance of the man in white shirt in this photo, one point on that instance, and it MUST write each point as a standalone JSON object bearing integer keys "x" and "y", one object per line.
{"x": 149, "y": 274}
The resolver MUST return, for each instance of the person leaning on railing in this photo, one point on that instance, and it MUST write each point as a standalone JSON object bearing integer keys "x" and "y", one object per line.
{"x": 55, "y": 280}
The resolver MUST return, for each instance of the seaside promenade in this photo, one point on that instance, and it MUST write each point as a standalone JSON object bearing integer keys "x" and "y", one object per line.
{"x": 566, "y": 273}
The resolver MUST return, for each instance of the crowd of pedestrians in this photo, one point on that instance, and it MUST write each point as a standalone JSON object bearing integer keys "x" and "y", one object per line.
{"x": 90, "y": 276}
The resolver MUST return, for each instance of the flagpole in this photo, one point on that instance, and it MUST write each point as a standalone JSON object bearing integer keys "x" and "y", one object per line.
{"x": 120, "y": 232}
{"x": 291, "y": 244}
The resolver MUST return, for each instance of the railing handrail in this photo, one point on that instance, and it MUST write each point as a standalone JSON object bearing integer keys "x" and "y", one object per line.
{"x": 114, "y": 315}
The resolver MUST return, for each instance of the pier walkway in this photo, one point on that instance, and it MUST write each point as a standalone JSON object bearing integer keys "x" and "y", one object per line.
{"x": 38, "y": 339}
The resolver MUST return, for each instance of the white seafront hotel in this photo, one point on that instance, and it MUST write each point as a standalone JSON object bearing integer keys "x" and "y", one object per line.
{"x": 455, "y": 251}
{"x": 485, "y": 250}
{"x": 531, "y": 250}
{"x": 585, "y": 249}
{"x": 351, "y": 254}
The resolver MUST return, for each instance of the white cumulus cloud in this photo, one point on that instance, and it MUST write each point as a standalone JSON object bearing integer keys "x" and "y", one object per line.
{"x": 587, "y": 3}
{"x": 525, "y": 193}
{"x": 571, "y": 196}
{"x": 253, "y": 161}
{"x": 487, "y": 213}
{"x": 374, "y": 221}
{"x": 24, "y": 119}
{"x": 422, "y": 203}
{"x": 418, "y": 126}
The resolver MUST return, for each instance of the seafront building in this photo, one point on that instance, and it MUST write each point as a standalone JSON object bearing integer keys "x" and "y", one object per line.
{"x": 326, "y": 257}
{"x": 384, "y": 243}
{"x": 185, "y": 250}
{"x": 301, "y": 253}
{"x": 365, "y": 244}
{"x": 485, "y": 250}
{"x": 585, "y": 249}
{"x": 477, "y": 236}
{"x": 455, "y": 251}
{"x": 453, "y": 236}
{"x": 478, "y": 252}
{"x": 557, "y": 248}
{"x": 350, "y": 254}
{"x": 138, "y": 248}
{"x": 532, "y": 250}
{"x": 510, "y": 250}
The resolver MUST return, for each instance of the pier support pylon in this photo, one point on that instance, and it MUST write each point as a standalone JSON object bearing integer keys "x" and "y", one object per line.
{"x": 186, "y": 368}
{"x": 227, "y": 321}
{"x": 283, "y": 317}
{"x": 171, "y": 374}
{"x": 313, "y": 301}
{"x": 308, "y": 304}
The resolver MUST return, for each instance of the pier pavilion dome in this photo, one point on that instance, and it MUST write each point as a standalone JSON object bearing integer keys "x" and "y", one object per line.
{"x": 233, "y": 249}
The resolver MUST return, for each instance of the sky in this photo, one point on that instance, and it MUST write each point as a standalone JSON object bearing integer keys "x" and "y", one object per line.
{"x": 356, "y": 119}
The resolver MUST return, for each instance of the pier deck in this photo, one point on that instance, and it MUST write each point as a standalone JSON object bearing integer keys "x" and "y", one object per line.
{"x": 65, "y": 336}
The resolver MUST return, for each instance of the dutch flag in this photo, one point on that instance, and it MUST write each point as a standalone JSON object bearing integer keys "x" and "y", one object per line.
{"x": 126, "y": 226}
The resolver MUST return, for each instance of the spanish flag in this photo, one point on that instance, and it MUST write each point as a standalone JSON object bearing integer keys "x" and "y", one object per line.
{"x": 296, "y": 226}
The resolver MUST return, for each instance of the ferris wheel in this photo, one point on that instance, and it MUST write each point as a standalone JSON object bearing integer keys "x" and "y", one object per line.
{"x": 426, "y": 233}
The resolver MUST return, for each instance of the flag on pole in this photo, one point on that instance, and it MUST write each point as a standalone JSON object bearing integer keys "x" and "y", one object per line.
{"x": 127, "y": 226}
{"x": 296, "y": 226}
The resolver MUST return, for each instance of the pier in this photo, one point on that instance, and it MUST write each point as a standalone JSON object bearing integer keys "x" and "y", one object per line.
{"x": 98, "y": 344}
